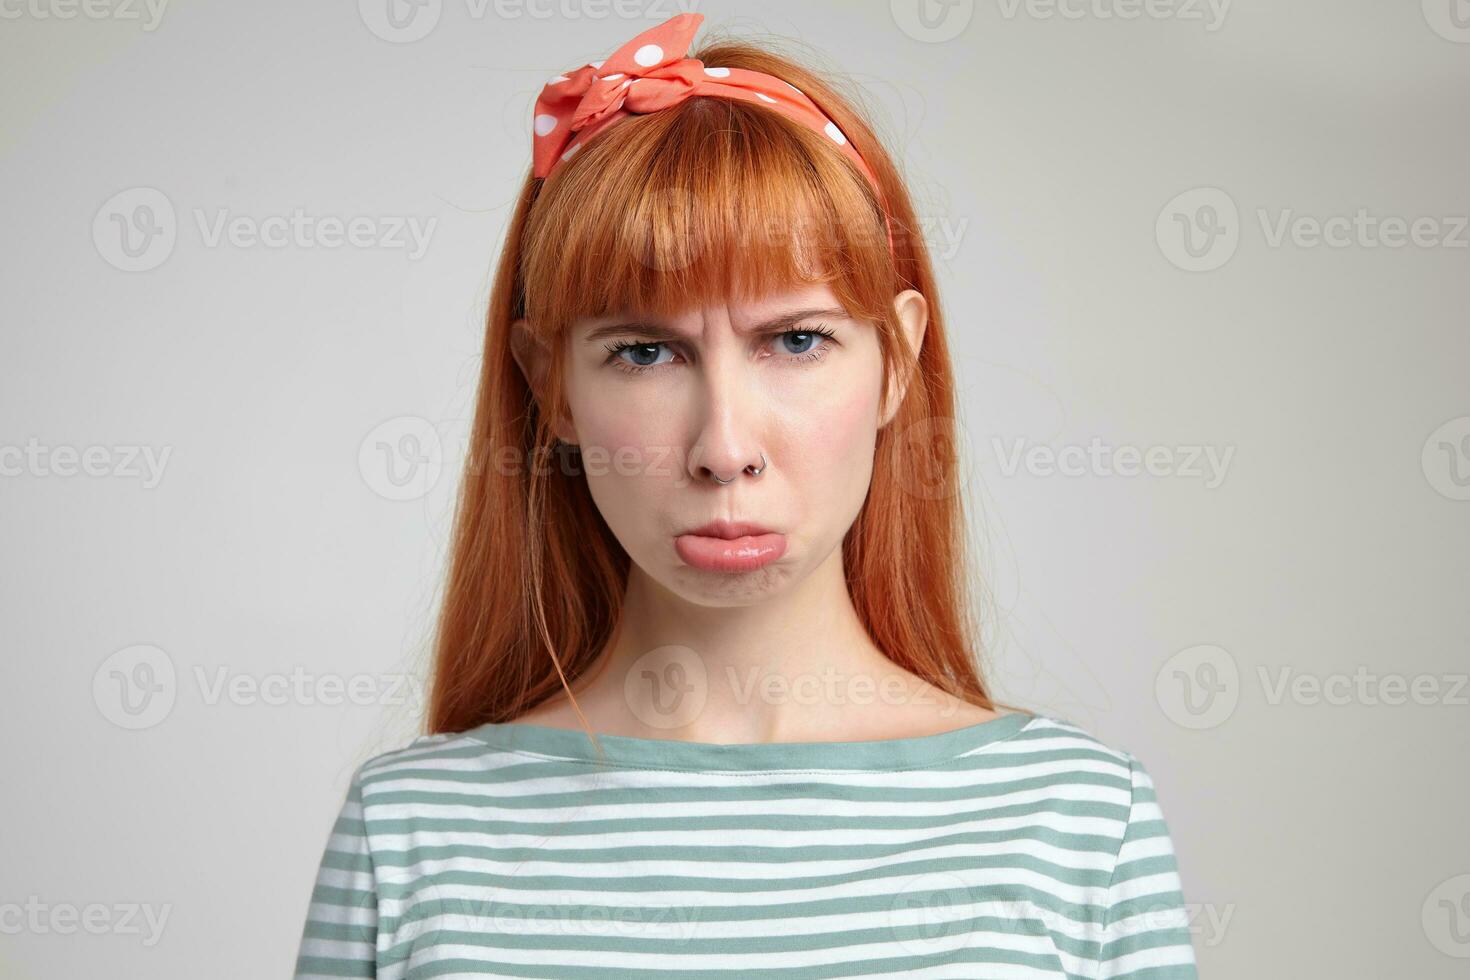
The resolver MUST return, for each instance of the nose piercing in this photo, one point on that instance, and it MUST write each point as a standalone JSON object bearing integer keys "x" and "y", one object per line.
{"x": 753, "y": 472}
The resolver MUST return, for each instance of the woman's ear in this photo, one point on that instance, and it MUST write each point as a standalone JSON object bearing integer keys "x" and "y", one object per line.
{"x": 911, "y": 310}
{"x": 531, "y": 355}
{"x": 534, "y": 359}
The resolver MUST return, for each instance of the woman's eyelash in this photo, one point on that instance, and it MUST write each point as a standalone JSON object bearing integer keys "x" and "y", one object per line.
{"x": 615, "y": 348}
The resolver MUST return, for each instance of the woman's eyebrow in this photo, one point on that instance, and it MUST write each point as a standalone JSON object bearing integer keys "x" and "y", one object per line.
{"x": 658, "y": 331}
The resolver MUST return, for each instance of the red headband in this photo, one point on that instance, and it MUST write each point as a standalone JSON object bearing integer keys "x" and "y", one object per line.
{"x": 650, "y": 73}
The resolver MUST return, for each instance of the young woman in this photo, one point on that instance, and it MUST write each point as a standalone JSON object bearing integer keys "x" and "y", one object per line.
{"x": 706, "y": 700}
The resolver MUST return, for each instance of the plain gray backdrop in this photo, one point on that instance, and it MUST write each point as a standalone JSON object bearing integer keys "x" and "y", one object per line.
{"x": 1205, "y": 272}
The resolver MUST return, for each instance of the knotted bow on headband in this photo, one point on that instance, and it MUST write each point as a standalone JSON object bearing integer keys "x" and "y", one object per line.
{"x": 650, "y": 73}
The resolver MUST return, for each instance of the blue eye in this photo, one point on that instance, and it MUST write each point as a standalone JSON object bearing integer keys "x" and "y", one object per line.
{"x": 808, "y": 337}
{"x": 639, "y": 352}
{"x": 643, "y": 356}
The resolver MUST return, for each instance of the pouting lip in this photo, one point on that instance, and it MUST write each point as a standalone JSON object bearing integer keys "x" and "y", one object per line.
{"x": 728, "y": 529}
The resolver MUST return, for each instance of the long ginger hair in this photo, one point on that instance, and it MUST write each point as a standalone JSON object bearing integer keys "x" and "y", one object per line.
{"x": 701, "y": 202}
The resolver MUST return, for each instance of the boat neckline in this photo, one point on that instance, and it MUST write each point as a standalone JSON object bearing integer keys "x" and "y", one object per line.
{"x": 912, "y": 752}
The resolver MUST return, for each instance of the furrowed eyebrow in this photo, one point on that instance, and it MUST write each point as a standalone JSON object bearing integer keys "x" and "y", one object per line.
{"x": 650, "y": 330}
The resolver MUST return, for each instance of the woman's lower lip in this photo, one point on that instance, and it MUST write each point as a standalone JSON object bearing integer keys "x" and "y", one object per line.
{"x": 741, "y": 554}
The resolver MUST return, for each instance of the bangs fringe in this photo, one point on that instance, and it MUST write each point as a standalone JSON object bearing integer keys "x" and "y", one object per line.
{"x": 710, "y": 200}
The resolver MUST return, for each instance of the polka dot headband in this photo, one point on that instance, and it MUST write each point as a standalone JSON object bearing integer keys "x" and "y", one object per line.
{"x": 650, "y": 73}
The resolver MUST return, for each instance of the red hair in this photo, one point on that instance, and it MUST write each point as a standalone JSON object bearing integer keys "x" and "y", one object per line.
{"x": 708, "y": 200}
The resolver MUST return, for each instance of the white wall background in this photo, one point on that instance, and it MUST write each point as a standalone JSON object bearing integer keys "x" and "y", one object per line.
{"x": 1045, "y": 143}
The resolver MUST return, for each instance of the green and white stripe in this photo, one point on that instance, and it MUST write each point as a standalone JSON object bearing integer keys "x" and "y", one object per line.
{"x": 1020, "y": 847}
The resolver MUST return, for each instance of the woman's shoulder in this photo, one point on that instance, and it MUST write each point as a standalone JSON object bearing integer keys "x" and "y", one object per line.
{"x": 1076, "y": 747}
{"x": 1056, "y": 729}
{"x": 424, "y": 757}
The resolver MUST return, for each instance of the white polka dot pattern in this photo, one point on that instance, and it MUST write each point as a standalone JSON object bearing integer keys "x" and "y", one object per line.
{"x": 574, "y": 106}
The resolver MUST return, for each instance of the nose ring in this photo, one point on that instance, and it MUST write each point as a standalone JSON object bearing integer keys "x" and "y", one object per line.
{"x": 753, "y": 472}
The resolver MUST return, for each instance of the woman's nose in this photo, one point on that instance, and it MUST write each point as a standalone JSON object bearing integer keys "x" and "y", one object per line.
{"x": 727, "y": 436}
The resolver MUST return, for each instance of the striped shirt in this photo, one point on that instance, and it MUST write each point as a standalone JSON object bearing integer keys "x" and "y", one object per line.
{"x": 1019, "y": 847}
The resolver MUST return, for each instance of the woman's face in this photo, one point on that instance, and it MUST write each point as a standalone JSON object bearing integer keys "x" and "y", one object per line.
{"x": 660, "y": 407}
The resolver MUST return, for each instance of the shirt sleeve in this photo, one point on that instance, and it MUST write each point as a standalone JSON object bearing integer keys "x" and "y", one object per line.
{"x": 340, "y": 935}
{"x": 1145, "y": 934}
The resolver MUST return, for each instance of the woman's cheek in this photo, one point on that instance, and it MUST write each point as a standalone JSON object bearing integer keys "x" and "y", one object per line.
{"x": 840, "y": 425}
{"x": 637, "y": 437}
